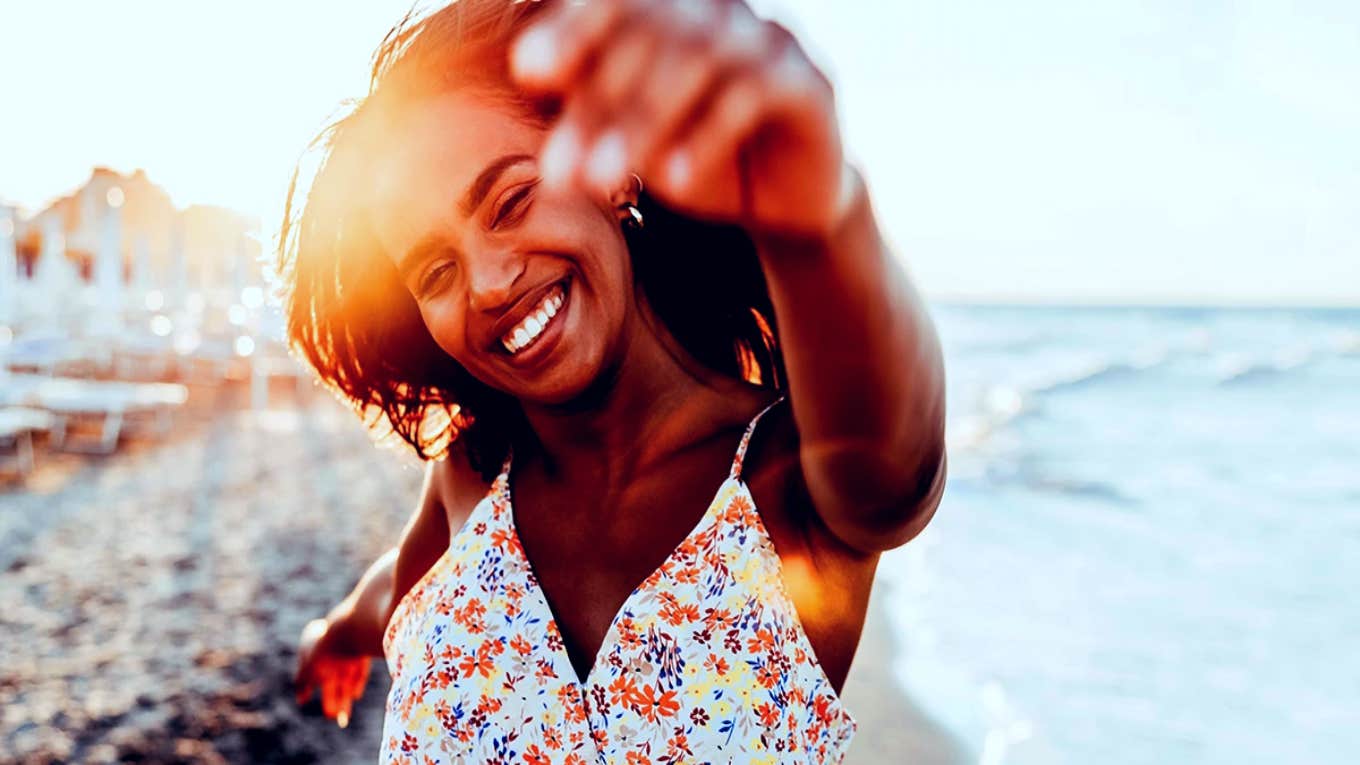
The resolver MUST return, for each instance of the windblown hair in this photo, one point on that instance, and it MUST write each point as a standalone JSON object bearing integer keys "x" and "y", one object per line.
{"x": 350, "y": 316}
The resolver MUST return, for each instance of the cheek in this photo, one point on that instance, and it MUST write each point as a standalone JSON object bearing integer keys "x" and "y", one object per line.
{"x": 445, "y": 324}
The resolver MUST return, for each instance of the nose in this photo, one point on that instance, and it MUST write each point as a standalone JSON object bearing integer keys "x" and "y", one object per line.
{"x": 492, "y": 276}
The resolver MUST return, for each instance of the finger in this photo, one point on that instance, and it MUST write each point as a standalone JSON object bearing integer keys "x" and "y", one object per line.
{"x": 342, "y": 716}
{"x": 788, "y": 86}
{"x": 678, "y": 26}
{"x": 742, "y": 36}
{"x": 564, "y": 149}
{"x": 683, "y": 78}
{"x": 622, "y": 64}
{"x": 347, "y": 680}
{"x": 361, "y": 679}
{"x": 330, "y": 696}
{"x": 550, "y": 55}
{"x": 605, "y": 96}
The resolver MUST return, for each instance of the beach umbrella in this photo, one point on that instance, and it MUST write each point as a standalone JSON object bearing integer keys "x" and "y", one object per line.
{"x": 179, "y": 265}
{"x": 108, "y": 267}
{"x": 55, "y": 279}
{"x": 9, "y": 292}
{"x": 9, "y": 266}
{"x": 141, "y": 264}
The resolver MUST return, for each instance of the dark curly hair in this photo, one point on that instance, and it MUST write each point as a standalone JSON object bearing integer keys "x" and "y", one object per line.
{"x": 350, "y": 316}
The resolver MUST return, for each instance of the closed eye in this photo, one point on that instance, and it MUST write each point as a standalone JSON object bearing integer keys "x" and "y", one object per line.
{"x": 430, "y": 281}
{"x": 514, "y": 207}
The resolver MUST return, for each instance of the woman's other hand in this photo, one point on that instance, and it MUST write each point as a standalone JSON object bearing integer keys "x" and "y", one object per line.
{"x": 324, "y": 666}
{"x": 720, "y": 112}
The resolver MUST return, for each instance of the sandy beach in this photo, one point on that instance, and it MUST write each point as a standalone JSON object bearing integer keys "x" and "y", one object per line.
{"x": 150, "y": 601}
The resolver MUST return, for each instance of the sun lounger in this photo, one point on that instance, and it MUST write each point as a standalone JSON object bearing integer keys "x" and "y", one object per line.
{"x": 91, "y": 415}
{"x": 144, "y": 358}
{"x": 17, "y": 426}
{"x": 47, "y": 355}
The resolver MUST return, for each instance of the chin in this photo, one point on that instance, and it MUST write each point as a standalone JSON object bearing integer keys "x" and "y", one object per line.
{"x": 570, "y": 386}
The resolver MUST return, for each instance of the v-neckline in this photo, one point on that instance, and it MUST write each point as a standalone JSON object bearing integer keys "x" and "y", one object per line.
{"x": 537, "y": 585}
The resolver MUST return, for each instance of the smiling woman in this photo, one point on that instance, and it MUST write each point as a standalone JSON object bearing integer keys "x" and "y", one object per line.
{"x": 477, "y": 266}
{"x": 356, "y": 303}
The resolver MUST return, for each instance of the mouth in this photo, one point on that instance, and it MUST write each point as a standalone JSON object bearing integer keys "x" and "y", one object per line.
{"x": 540, "y": 328}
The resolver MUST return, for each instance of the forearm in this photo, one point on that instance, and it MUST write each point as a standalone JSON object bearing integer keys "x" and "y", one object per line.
{"x": 864, "y": 365}
{"x": 358, "y": 622}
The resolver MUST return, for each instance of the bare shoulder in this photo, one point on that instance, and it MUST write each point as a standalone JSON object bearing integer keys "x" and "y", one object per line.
{"x": 456, "y": 486}
{"x": 450, "y": 491}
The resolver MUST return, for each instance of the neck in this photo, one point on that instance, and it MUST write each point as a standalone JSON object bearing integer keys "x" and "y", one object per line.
{"x": 655, "y": 401}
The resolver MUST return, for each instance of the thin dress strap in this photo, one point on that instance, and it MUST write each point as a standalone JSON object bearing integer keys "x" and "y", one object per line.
{"x": 737, "y": 461}
{"x": 503, "y": 479}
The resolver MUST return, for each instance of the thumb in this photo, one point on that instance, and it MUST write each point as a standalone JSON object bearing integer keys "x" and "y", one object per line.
{"x": 303, "y": 692}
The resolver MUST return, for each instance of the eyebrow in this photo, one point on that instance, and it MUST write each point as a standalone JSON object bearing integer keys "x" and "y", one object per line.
{"x": 472, "y": 199}
{"x": 486, "y": 179}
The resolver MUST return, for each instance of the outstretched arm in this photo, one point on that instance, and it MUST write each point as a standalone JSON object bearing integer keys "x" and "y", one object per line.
{"x": 727, "y": 119}
{"x": 866, "y": 378}
{"x": 334, "y": 652}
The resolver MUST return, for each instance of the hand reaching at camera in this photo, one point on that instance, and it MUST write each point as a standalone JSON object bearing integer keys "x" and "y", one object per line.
{"x": 324, "y": 666}
{"x": 721, "y": 113}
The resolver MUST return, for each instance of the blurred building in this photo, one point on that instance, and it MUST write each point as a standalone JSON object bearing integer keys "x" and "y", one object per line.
{"x": 202, "y": 249}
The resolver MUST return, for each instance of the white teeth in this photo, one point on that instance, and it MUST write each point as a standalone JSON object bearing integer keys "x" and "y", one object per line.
{"x": 534, "y": 323}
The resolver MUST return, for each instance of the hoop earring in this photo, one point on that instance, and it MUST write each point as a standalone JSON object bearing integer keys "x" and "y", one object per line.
{"x": 634, "y": 219}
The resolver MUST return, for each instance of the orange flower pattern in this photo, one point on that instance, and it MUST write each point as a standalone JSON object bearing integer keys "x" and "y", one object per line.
{"x": 706, "y": 662}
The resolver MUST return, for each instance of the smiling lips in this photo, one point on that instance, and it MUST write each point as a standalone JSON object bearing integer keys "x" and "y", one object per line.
{"x": 533, "y": 325}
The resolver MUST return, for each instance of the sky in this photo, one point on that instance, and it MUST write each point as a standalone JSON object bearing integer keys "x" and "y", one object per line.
{"x": 1129, "y": 152}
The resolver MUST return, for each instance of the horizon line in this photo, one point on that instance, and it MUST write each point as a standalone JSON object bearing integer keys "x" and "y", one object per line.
{"x": 1142, "y": 303}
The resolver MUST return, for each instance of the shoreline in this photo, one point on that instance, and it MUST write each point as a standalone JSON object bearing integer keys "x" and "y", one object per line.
{"x": 893, "y": 728}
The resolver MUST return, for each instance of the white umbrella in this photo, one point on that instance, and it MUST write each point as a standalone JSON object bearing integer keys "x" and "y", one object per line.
{"x": 179, "y": 265}
{"x": 9, "y": 266}
{"x": 108, "y": 269}
{"x": 9, "y": 293}
{"x": 141, "y": 264}
{"x": 56, "y": 279}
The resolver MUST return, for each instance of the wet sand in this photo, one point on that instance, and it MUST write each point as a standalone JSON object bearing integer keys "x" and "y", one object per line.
{"x": 893, "y": 730}
{"x": 150, "y": 601}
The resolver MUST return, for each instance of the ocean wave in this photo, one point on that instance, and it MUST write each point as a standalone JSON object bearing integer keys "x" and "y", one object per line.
{"x": 997, "y": 407}
{"x": 1070, "y": 487}
{"x": 1100, "y": 372}
{"x": 1252, "y": 371}
{"x": 1026, "y": 471}
{"x": 1347, "y": 343}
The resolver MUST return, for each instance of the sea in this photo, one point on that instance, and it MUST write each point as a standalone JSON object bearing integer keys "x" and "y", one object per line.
{"x": 1149, "y": 547}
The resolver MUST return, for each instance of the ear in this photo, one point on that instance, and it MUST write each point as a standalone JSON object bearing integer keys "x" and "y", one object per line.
{"x": 626, "y": 195}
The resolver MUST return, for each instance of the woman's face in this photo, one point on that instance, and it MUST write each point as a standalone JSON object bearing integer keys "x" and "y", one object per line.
{"x": 488, "y": 252}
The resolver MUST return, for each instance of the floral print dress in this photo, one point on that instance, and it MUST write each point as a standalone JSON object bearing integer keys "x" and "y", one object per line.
{"x": 706, "y": 661}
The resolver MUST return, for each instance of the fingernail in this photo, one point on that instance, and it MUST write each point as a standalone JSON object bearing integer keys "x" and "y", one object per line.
{"x": 607, "y": 160}
{"x": 695, "y": 13}
{"x": 678, "y": 169}
{"x": 560, "y": 155}
{"x": 536, "y": 53}
{"x": 792, "y": 69}
{"x": 743, "y": 31}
